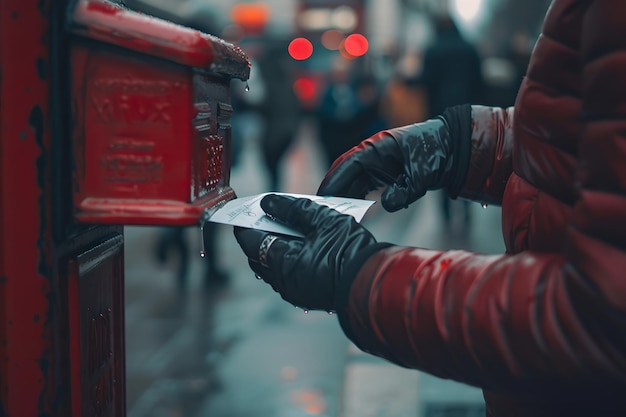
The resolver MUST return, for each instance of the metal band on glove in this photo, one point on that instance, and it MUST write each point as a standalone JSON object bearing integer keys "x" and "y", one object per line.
{"x": 264, "y": 248}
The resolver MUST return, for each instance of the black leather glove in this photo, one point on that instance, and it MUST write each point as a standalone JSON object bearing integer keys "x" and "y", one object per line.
{"x": 407, "y": 160}
{"x": 306, "y": 271}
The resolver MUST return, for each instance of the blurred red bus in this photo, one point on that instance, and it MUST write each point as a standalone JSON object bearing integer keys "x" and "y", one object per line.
{"x": 326, "y": 24}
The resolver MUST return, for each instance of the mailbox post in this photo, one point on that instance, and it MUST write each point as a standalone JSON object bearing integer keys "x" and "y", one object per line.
{"x": 107, "y": 117}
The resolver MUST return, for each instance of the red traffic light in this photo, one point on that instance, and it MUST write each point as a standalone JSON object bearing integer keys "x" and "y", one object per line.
{"x": 356, "y": 44}
{"x": 300, "y": 49}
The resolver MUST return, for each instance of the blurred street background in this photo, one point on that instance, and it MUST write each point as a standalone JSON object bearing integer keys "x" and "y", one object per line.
{"x": 203, "y": 336}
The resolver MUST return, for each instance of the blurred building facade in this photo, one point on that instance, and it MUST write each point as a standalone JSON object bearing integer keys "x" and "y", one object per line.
{"x": 388, "y": 21}
{"x": 394, "y": 28}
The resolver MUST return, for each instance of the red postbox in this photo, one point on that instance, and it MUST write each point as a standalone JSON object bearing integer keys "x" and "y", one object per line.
{"x": 107, "y": 117}
{"x": 152, "y": 115}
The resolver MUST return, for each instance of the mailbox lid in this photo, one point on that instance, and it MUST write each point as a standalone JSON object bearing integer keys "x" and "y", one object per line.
{"x": 113, "y": 24}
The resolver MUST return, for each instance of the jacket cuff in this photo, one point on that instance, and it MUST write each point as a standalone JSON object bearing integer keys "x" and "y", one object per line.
{"x": 459, "y": 122}
{"x": 342, "y": 290}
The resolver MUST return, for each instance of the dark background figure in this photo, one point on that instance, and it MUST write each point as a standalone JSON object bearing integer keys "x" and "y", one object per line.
{"x": 280, "y": 109}
{"x": 451, "y": 75}
{"x": 403, "y": 101}
{"x": 369, "y": 96}
{"x": 518, "y": 56}
{"x": 349, "y": 108}
{"x": 172, "y": 242}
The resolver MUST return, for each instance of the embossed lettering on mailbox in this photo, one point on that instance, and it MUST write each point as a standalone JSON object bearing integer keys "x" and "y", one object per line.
{"x": 121, "y": 100}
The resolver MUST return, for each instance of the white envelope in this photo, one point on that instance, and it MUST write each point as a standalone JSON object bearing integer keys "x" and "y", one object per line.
{"x": 247, "y": 212}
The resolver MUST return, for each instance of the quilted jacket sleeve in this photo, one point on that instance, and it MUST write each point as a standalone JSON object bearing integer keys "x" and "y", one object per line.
{"x": 531, "y": 321}
{"x": 490, "y": 159}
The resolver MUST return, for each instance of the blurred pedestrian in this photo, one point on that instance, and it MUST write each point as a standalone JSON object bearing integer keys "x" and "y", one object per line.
{"x": 172, "y": 246}
{"x": 369, "y": 118}
{"x": 280, "y": 109}
{"x": 542, "y": 328}
{"x": 171, "y": 242}
{"x": 403, "y": 101}
{"x": 248, "y": 98}
{"x": 518, "y": 56}
{"x": 451, "y": 75}
{"x": 348, "y": 108}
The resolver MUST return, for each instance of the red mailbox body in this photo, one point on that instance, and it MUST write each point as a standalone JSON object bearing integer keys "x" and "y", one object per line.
{"x": 151, "y": 104}
{"x": 107, "y": 117}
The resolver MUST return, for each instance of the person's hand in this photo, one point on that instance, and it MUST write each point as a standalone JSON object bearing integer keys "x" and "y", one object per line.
{"x": 407, "y": 161}
{"x": 304, "y": 271}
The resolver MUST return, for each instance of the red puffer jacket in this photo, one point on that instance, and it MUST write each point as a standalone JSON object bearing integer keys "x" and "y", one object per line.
{"x": 542, "y": 329}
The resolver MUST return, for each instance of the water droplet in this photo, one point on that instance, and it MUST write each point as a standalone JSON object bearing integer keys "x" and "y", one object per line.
{"x": 247, "y": 87}
{"x": 484, "y": 205}
{"x": 306, "y": 311}
{"x": 331, "y": 312}
{"x": 202, "y": 250}
{"x": 257, "y": 276}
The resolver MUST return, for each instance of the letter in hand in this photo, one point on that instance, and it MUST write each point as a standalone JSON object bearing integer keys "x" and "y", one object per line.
{"x": 304, "y": 271}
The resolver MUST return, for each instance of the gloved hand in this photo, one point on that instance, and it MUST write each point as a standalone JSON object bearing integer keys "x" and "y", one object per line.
{"x": 407, "y": 160}
{"x": 305, "y": 271}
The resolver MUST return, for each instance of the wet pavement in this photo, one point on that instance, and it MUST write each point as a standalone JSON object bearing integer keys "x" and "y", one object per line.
{"x": 238, "y": 350}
